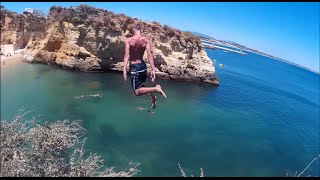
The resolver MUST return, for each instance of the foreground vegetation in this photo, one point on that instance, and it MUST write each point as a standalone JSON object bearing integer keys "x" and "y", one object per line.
{"x": 30, "y": 149}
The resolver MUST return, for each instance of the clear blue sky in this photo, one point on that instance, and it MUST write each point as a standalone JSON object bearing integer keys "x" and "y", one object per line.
{"x": 286, "y": 30}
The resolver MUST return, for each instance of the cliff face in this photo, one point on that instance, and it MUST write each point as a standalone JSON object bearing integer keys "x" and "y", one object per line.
{"x": 90, "y": 39}
{"x": 17, "y": 29}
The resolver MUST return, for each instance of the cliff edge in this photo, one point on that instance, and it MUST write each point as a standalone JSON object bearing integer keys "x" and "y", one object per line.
{"x": 90, "y": 39}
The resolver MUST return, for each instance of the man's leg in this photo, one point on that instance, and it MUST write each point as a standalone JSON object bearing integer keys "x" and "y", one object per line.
{"x": 145, "y": 90}
{"x": 153, "y": 100}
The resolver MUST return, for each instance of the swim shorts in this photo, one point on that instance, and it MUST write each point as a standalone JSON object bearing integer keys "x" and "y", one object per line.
{"x": 138, "y": 74}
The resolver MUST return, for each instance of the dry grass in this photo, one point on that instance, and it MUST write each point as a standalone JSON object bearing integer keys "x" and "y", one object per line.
{"x": 183, "y": 174}
{"x": 51, "y": 150}
{"x": 303, "y": 171}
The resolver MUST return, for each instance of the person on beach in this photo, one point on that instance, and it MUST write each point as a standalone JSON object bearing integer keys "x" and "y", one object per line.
{"x": 134, "y": 49}
{"x": 2, "y": 51}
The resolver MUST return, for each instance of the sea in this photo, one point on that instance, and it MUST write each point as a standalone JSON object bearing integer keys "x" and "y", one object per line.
{"x": 263, "y": 119}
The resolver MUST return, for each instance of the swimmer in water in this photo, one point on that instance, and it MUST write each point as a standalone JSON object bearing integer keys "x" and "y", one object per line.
{"x": 140, "y": 108}
{"x": 78, "y": 97}
{"x": 95, "y": 95}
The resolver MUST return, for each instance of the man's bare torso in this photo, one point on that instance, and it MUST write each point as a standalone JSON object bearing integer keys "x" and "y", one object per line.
{"x": 137, "y": 47}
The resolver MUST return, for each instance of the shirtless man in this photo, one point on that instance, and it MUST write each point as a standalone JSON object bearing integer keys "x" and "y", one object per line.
{"x": 134, "y": 49}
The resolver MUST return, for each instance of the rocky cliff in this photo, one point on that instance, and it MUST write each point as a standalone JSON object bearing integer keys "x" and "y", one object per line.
{"x": 17, "y": 29}
{"x": 90, "y": 39}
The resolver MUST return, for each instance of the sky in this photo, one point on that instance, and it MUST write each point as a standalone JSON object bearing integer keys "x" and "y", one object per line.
{"x": 288, "y": 30}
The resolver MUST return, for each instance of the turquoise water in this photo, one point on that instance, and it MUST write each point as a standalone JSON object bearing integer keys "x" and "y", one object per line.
{"x": 263, "y": 119}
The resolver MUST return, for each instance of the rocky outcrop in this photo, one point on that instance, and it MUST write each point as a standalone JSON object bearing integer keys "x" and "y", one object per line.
{"x": 90, "y": 39}
{"x": 17, "y": 29}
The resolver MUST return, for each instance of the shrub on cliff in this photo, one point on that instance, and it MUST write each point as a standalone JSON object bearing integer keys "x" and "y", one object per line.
{"x": 56, "y": 149}
{"x": 116, "y": 22}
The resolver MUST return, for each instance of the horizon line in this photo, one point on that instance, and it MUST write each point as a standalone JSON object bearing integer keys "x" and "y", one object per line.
{"x": 268, "y": 55}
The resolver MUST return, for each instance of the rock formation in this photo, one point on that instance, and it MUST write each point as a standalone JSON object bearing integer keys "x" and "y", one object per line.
{"x": 17, "y": 29}
{"x": 89, "y": 39}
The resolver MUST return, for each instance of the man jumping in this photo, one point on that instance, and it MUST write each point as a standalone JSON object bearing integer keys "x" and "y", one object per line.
{"x": 134, "y": 49}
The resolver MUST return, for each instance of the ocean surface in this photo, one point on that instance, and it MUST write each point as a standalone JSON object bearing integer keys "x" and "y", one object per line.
{"x": 263, "y": 119}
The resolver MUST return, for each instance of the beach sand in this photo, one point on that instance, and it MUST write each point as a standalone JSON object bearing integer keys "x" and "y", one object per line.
{"x": 9, "y": 61}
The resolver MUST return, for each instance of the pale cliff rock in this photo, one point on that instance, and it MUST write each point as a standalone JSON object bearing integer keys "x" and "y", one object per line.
{"x": 17, "y": 29}
{"x": 90, "y": 39}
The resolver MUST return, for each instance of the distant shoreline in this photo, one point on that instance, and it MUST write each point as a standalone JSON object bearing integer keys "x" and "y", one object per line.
{"x": 284, "y": 61}
{"x": 288, "y": 62}
{"x": 243, "y": 48}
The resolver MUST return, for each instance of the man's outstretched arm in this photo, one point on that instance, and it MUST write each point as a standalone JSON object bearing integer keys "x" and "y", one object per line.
{"x": 126, "y": 59}
{"x": 151, "y": 61}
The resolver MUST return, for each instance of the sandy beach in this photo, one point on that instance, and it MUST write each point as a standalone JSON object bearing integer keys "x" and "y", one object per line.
{"x": 10, "y": 57}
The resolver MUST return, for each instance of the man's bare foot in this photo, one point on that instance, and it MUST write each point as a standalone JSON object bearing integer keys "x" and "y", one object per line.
{"x": 151, "y": 113}
{"x": 160, "y": 91}
{"x": 154, "y": 101}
